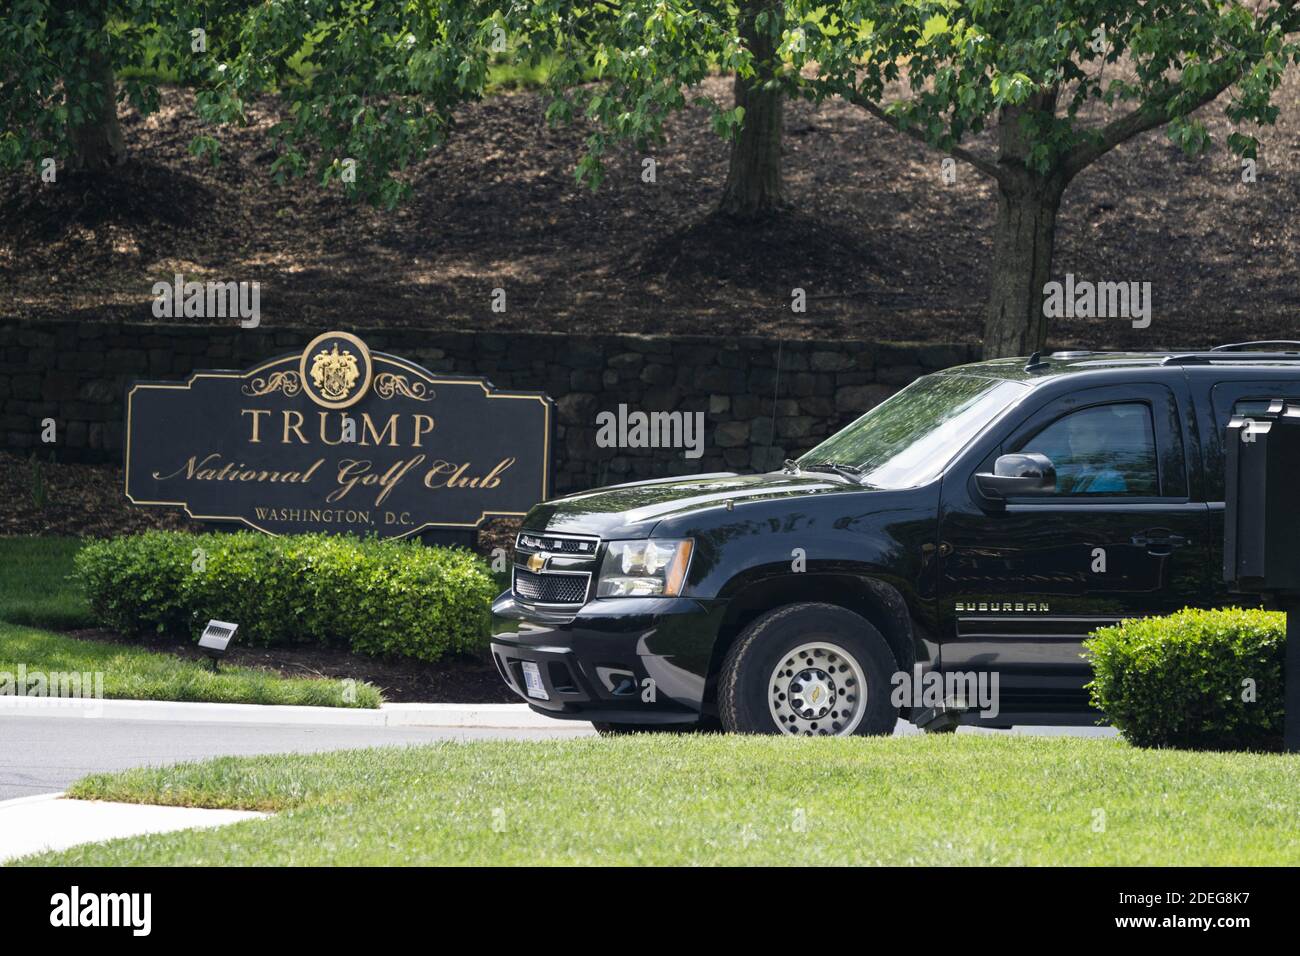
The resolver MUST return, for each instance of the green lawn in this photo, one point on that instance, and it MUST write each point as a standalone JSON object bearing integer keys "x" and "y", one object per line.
{"x": 136, "y": 674}
{"x": 659, "y": 799}
{"x": 35, "y": 590}
{"x": 34, "y": 584}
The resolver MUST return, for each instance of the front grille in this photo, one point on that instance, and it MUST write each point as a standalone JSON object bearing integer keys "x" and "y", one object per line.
{"x": 551, "y": 588}
{"x": 528, "y": 541}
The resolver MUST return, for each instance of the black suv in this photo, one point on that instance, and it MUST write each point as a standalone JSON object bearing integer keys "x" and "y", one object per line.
{"x": 981, "y": 522}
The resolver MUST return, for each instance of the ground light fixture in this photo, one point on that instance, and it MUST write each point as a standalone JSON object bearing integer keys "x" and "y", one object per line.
{"x": 216, "y": 639}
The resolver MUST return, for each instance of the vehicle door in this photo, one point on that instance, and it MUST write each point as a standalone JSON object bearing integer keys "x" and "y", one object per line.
{"x": 1217, "y": 402}
{"x": 1024, "y": 581}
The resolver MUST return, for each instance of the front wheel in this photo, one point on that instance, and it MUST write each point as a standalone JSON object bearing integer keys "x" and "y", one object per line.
{"x": 808, "y": 670}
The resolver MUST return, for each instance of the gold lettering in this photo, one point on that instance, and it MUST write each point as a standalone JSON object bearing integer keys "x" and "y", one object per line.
{"x": 296, "y": 427}
{"x": 439, "y": 467}
{"x": 368, "y": 427}
{"x": 351, "y": 471}
{"x": 190, "y": 467}
{"x": 323, "y": 436}
{"x": 427, "y": 420}
{"x": 394, "y": 475}
{"x": 256, "y": 421}
{"x": 446, "y": 474}
{"x": 493, "y": 477}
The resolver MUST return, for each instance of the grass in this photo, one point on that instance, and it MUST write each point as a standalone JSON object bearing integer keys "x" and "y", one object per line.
{"x": 34, "y": 584}
{"x": 136, "y": 674}
{"x": 36, "y": 592}
{"x": 658, "y": 799}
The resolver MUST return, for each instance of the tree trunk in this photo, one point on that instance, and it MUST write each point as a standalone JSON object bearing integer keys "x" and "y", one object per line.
{"x": 754, "y": 187}
{"x": 97, "y": 142}
{"x": 1023, "y": 236}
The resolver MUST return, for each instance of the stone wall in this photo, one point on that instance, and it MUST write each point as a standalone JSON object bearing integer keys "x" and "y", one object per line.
{"x": 763, "y": 400}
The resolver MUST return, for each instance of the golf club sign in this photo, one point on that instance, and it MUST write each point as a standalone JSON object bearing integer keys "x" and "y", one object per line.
{"x": 337, "y": 438}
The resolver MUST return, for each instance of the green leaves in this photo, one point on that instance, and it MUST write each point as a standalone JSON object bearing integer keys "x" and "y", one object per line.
{"x": 378, "y": 597}
{"x": 936, "y": 25}
{"x": 1189, "y": 135}
{"x": 646, "y": 53}
{"x": 1204, "y": 679}
{"x": 962, "y": 64}
{"x": 1013, "y": 89}
{"x": 379, "y": 83}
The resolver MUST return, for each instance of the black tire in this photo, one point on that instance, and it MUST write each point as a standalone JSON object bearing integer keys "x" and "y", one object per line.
{"x": 606, "y": 729}
{"x": 751, "y": 665}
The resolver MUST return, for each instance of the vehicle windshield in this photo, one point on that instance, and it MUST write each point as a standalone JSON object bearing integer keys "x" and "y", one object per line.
{"x": 908, "y": 439}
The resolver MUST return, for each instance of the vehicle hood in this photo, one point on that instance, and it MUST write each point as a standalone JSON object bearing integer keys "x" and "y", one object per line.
{"x": 633, "y": 510}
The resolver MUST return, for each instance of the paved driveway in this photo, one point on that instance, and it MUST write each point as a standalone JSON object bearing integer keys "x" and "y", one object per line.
{"x": 45, "y": 754}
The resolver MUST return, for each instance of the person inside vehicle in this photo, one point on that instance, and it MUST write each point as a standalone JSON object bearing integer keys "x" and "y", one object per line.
{"x": 1087, "y": 440}
{"x": 1105, "y": 450}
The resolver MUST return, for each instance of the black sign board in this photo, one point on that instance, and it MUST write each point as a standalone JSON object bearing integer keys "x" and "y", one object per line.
{"x": 1261, "y": 525}
{"x": 337, "y": 438}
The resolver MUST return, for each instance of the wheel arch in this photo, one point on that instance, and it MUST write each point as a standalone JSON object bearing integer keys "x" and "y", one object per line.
{"x": 876, "y": 600}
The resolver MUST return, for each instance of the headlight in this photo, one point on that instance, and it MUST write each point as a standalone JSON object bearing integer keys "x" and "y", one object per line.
{"x": 648, "y": 568}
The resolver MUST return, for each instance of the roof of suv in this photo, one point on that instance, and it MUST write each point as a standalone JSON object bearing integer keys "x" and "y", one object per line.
{"x": 1041, "y": 366}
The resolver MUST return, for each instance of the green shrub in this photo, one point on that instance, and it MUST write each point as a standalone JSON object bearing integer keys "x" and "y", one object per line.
{"x": 1186, "y": 680}
{"x": 138, "y": 584}
{"x": 376, "y": 597}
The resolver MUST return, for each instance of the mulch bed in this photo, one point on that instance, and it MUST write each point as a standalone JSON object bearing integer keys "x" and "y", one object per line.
{"x": 883, "y": 249}
{"x": 79, "y": 500}
{"x": 458, "y": 680}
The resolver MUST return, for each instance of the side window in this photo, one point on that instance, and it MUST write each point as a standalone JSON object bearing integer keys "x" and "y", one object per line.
{"x": 1102, "y": 450}
{"x": 1218, "y": 461}
{"x": 1236, "y": 398}
{"x": 1248, "y": 407}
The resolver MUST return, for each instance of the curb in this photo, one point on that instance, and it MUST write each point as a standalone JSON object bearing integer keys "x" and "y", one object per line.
{"x": 38, "y": 798}
{"x": 504, "y": 716}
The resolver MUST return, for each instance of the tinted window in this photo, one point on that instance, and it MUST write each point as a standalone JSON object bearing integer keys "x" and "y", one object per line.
{"x": 908, "y": 439}
{"x": 1103, "y": 450}
{"x": 1237, "y": 398}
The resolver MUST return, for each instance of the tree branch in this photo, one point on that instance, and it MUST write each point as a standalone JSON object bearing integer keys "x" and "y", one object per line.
{"x": 1140, "y": 120}
{"x": 987, "y": 166}
{"x": 1156, "y": 113}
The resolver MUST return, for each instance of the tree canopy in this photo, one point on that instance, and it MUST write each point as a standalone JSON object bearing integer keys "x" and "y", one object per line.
{"x": 371, "y": 87}
{"x": 943, "y": 71}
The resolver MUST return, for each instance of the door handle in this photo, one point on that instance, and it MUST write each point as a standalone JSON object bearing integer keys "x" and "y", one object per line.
{"x": 1159, "y": 541}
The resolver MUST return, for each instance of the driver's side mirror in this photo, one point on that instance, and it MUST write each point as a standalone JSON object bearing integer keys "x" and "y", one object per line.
{"x": 1029, "y": 474}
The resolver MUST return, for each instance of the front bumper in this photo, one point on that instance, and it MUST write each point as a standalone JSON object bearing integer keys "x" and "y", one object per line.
{"x": 622, "y": 660}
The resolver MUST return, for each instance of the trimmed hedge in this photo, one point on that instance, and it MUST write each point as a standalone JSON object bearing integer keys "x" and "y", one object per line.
{"x": 376, "y": 597}
{"x": 1183, "y": 680}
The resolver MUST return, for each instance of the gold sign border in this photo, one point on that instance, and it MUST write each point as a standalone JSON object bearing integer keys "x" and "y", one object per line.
{"x": 489, "y": 391}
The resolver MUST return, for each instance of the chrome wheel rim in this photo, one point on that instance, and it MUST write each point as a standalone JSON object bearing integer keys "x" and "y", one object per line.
{"x": 817, "y": 690}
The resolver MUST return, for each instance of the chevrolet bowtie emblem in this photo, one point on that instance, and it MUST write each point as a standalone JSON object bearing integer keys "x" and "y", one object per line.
{"x": 816, "y": 692}
{"x": 537, "y": 561}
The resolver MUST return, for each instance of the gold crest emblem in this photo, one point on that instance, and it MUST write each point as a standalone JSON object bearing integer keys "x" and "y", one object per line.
{"x": 335, "y": 373}
{"x": 336, "y": 369}
{"x": 537, "y": 561}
